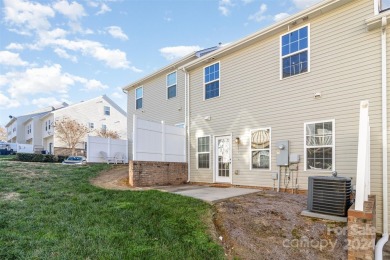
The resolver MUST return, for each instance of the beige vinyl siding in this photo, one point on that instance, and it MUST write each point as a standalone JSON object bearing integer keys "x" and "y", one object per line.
{"x": 155, "y": 104}
{"x": 345, "y": 66}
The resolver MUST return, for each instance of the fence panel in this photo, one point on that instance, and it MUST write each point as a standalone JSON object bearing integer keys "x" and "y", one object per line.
{"x": 96, "y": 145}
{"x": 154, "y": 141}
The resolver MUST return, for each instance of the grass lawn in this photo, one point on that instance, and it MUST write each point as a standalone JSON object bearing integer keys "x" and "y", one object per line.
{"x": 50, "y": 211}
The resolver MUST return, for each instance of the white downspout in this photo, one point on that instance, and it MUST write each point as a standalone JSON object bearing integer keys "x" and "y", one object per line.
{"x": 187, "y": 120}
{"x": 385, "y": 233}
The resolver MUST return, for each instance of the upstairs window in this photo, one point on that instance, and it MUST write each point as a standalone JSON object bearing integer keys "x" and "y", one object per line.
{"x": 319, "y": 146}
{"x": 139, "y": 94}
{"x": 91, "y": 125}
{"x": 171, "y": 85}
{"x": 107, "y": 111}
{"x": 211, "y": 81}
{"x": 295, "y": 52}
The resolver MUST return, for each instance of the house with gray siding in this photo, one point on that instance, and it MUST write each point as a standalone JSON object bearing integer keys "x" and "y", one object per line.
{"x": 295, "y": 85}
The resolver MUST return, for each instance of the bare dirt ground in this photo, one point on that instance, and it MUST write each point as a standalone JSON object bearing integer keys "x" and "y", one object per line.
{"x": 268, "y": 225}
{"x": 265, "y": 225}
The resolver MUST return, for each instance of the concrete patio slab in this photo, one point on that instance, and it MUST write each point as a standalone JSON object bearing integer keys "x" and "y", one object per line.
{"x": 208, "y": 194}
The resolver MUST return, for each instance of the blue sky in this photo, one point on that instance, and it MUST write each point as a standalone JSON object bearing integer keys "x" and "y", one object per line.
{"x": 69, "y": 51}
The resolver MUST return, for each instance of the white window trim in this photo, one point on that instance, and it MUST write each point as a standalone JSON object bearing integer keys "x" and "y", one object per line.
{"x": 135, "y": 96}
{"x": 197, "y": 152}
{"x": 168, "y": 86}
{"x": 333, "y": 145}
{"x": 308, "y": 52}
{"x": 270, "y": 149}
{"x": 204, "y": 82}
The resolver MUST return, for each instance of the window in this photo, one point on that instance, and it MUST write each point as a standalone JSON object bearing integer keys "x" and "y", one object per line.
{"x": 104, "y": 128}
{"x": 46, "y": 125}
{"x": 319, "y": 146}
{"x": 91, "y": 125}
{"x": 171, "y": 85}
{"x": 107, "y": 111}
{"x": 295, "y": 52}
{"x": 211, "y": 81}
{"x": 384, "y": 5}
{"x": 139, "y": 94}
{"x": 29, "y": 129}
{"x": 181, "y": 125}
{"x": 204, "y": 152}
{"x": 49, "y": 124}
{"x": 260, "y": 149}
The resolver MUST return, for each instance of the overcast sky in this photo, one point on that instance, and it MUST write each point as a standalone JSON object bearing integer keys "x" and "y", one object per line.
{"x": 69, "y": 51}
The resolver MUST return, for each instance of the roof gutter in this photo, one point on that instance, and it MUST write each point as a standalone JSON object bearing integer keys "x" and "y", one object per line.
{"x": 385, "y": 210}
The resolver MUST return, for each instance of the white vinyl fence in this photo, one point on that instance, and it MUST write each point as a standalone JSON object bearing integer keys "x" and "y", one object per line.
{"x": 96, "y": 145}
{"x": 24, "y": 148}
{"x": 154, "y": 141}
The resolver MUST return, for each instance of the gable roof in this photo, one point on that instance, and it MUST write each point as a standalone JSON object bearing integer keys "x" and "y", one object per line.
{"x": 107, "y": 99}
{"x": 174, "y": 65}
{"x": 275, "y": 29}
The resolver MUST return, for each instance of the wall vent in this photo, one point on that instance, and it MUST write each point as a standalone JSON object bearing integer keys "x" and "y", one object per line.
{"x": 329, "y": 195}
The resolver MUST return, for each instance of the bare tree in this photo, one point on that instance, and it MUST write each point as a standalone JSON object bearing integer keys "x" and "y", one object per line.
{"x": 105, "y": 133}
{"x": 70, "y": 132}
{"x": 3, "y": 134}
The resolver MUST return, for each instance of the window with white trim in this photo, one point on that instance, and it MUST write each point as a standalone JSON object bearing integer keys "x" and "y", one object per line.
{"x": 171, "y": 85}
{"x": 211, "y": 81}
{"x": 139, "y": 94}
{"x": 107, "y": 111}
{"x": 384, "y": 5}
{"x": 91, "y": 125}
{"x": 104, "y": 128}
{"x": 203, "y": 152}
{"x": 261, "y": 149}
{"x": 295, "y": 52}
{"x": 319, "y": 145}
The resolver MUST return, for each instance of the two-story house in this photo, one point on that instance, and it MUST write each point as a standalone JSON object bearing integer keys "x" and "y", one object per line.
{"x": 160, "y": 96}
{"x": 97, "y": 114}
{"x": 295, "y": 85}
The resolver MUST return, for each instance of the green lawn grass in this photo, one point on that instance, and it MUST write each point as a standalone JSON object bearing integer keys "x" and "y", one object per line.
{"x": 50, "y": 211}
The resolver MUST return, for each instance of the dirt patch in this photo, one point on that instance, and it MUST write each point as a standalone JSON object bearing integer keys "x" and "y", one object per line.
{"x": 116, "y": 178}
{"x": 268, "y": 225}
{"x": 10, "y": 196}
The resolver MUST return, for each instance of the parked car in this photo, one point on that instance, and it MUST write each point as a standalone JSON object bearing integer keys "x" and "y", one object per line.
{"x": 75, "y": 160}
{"x": 5, "y": 149}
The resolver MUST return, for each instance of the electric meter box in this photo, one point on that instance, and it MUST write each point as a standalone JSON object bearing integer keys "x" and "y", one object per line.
{"x": 282, "y": 153}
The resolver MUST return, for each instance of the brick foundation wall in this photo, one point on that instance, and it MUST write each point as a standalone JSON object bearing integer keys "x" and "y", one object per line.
{"x": 144, "y": 174}
{"x": 361, "y": 231}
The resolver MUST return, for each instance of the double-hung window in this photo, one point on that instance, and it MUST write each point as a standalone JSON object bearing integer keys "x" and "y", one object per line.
{"x": 211, "y": 81}
{"x": 171, "y": 85}
{"x": 139, "y": 94}
{"x": 91, "y": 125}
{"x": 104, "y": 128}
{"x": 260, "y": 149}
{"x": 107, "y": 111}
{"x": 295, "y": 52}
{"x": 204, "y": 152}
{"x": 320, "y": 146}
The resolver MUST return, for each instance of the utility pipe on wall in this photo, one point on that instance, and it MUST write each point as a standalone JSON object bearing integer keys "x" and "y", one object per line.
{"x": 186, "y": 120}
{"x": 385, "y": 233}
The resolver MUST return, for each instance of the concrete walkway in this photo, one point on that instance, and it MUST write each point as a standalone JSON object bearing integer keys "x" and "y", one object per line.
{"x": 206, "y": 193}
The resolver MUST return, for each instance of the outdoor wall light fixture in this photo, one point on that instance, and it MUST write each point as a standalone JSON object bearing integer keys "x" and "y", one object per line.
{"x": 237, "y": 140}
{"x": 317, "y": 95}
{"x": 207, "y": 118}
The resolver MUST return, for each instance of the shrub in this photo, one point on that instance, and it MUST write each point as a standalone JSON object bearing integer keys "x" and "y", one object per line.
{"x": 32, "y": 157}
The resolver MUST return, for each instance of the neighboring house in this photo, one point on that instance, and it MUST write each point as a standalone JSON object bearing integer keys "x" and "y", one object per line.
{"x": 300, "y": 80}
{"x": 16, "y": 132}
{"x": 160, "y": 96}
{"x": 38, "y": 129}
{"x": 100, "y": 113}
